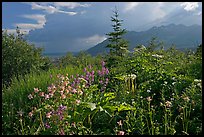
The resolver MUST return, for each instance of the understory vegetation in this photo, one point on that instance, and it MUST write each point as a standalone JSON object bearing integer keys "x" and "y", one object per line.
{"x": 148, "y": 91}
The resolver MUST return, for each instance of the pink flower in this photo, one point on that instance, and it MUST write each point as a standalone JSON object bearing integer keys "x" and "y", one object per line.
{"x": 36, "y": 90}
{"x": 121, "y": 133}
{"x": 77, "y": 101}
{"x": 30, "y": 96}
{"x": 42, "y": 94}
{"x": 48, "y": 115}
{"x": 63, "y": 96}
{"x": 47, "y": 96}
{"x": 74, "y": 91}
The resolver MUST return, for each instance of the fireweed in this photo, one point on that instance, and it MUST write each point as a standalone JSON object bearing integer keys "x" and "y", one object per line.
{"x": 58, "y": 104}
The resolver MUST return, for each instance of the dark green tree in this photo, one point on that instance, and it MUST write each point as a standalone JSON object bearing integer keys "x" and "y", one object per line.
{"x": 118, "y": 46}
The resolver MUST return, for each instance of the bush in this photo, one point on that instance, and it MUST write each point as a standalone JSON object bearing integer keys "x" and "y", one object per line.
{"x": 19, "y": 57}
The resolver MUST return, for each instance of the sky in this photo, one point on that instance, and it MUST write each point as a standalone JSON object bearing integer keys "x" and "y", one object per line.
{"x": 75, "y": 26}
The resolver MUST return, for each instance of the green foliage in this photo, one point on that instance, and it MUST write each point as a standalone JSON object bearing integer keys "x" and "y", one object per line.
{"x": 19, "y": 57}
{"x": 148, "y": 92}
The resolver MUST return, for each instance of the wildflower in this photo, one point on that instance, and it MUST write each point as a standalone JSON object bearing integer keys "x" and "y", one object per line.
{"x": 90, "y": 67}
{"x": 69, "y": 87}
{"x": 80, "y": 92}
{"x": 101, "y": 82}
{"x": 165, "y": 82}
{"x": 74, "y": 91}
{"x": 50, "y": 75}
{"x": 30, "y": 96}
{"x": 92, "y": 72}
{"x": 121, "y": 133}
{"x": 197, "y": 80}
{"x": 47, "y": 125}
{"x": 149, "y": 99}
{"x": 157, "y": 56}
{"x": 173, "y": 83}
{"x": 30, "y": 114}
{"x": 168, "y": 104}
{"x": 47, "y": 96}
{"x": 20, "y": 113}
{"x": 63, "y": 96}
{"x": 61, "y": 132}
{"x": 61, "y": 107}
{"x": 51, "y": 94}
{"x": 107, "y": 71}
{"x": 148, "y": 91}
{"x": 36, "y": 90}
{"x": 103, "y": 63}
{"x": 42, "y": 94}
{"x": 77, "y": 101}
{"x": 120, "y": 123}
{"x": 180, "y": 109}
{"x": 107, "y": 80}
{"x": 199, "y": 85}
{"x": 186, "y": 98}
{"x": 48, "y": 115}
{"x": 73, "y": 124}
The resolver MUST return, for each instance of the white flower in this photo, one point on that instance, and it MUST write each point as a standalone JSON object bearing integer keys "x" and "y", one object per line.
{"x": 30, "y": 96}
{"x": 197, "y": 80}
{"x": 157, "y": 56}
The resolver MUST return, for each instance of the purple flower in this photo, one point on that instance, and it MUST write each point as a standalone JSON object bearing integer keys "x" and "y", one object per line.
{"x": 107, "y": 80}
{"x": 101, "y": 82}
{"x": 103, "y": 63}
{"x": 90, "y": 67}
{"x": 84, "y": 69}
{"x": 47, "y": 125}
{"x": 92, "y": 72}
{"x": 107, "y": 71}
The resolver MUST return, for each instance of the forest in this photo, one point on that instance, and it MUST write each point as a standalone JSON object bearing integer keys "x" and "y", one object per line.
{"x": 148, "y": 91}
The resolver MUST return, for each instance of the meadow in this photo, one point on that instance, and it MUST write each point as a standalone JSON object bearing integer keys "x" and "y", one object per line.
{"x": 148, "y": 91}
{"x": 155, "y": 93}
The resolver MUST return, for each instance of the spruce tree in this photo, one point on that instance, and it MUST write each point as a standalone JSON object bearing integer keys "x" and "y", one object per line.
{"x": 118, "y": 46}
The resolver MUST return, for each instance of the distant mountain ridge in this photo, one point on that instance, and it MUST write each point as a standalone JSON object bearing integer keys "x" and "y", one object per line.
{"x": 180, "y": 35}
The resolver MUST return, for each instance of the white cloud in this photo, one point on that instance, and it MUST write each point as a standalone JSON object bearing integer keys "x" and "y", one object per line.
{"x": 56, "y": 7}
{"x": 41, "y": 20}
{"x": 70, "y": 5}
{"x": 38, "y": 17}
{"x": 13, "y": 31}
{"x": 131, "y": 5}
{"x": 190, "y": 6}
{"x": 49, "y": 8}
{"x": 93, "y": 40}
{"x": 28, "y": 26}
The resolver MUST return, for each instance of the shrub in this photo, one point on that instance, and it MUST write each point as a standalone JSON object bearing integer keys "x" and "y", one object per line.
{"x": 19, "y": 57}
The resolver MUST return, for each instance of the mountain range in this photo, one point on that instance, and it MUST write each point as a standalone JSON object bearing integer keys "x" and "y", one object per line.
{"x": 183, "y": 37}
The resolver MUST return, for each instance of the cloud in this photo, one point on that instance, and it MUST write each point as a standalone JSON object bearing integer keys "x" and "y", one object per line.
{"x": 56, "y": 7}
{"x": 189, "y": 6}
{"x": 41, "y": 20}
{"x": 93, "y": 40}
{"x": 70, "y": 5}
{"x": 131, "y": 5}
{"x": 13, "y": 31}
{"x": 49, "y": 8}
{"x": 38, "y": 17}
